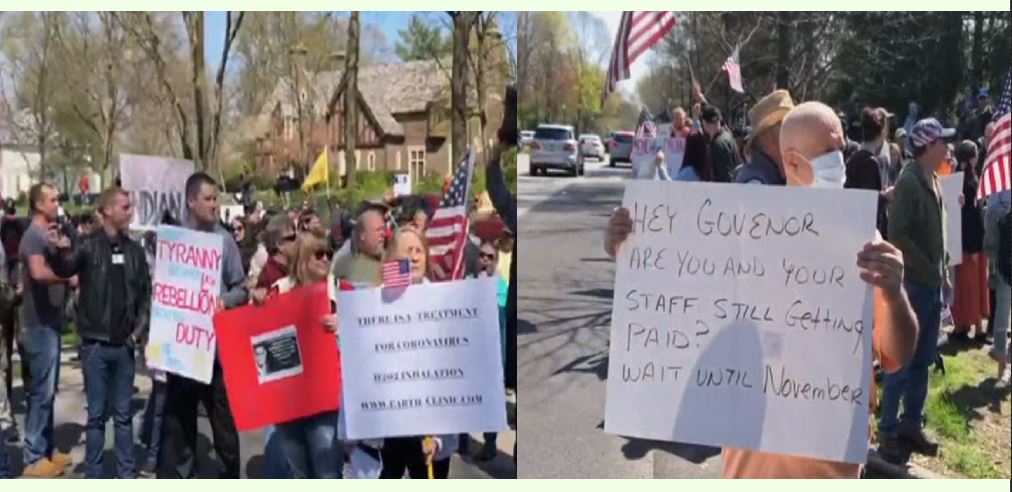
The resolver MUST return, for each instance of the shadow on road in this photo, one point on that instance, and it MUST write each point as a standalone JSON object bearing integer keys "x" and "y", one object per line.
{"x": 596, "y": 364}
{"x": 635, "y": 449}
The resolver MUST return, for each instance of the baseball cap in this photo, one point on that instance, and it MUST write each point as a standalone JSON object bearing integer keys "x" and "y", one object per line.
{"x": 982, "y": 94}
{"x": 927, "y": 131}
{"x": 711, "y": 114}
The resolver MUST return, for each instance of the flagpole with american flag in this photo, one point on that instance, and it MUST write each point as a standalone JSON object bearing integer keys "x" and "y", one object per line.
{"x": 996, "y": 176}
{"x": 448, "y": 230}
{"x": 637, "y": 32}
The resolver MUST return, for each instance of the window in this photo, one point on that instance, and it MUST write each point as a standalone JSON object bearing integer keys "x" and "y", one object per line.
{"x": 416, "y": 163}
{"x": 371, "y": 161}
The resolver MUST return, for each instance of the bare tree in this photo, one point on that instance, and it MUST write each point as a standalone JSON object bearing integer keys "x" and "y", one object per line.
{"x": 462, "y": 23}
{"x": 350, "y": 122}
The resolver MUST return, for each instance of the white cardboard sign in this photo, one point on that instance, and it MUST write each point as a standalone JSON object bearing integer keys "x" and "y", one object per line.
{"x": 952, "y": 189}
{"x": 427, "y": 361}
{"x": 739, "y": 319}
{"x": 644, "y": 153}
{"x": 156, "y": 185}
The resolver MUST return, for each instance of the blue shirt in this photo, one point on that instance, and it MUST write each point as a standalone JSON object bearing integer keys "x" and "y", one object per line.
{"x": 761, "y": 170}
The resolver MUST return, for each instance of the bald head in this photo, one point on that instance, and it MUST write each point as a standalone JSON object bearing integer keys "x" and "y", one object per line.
{"x": 810, "y": 130}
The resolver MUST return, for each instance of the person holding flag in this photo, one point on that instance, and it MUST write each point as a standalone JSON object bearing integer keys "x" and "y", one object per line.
{"x": 996, "y": 186}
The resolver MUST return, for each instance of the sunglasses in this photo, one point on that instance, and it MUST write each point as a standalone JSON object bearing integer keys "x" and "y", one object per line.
{"x": 290, "y": 238}
{"x": 323, "y": 254}
{"x": 485, "y": 256}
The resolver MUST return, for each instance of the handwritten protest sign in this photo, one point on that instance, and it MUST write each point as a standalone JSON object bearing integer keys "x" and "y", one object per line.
{"x": 185, "y": 291}
{"x": 644, "y": 153}
{"x": 739, "y": 319}
{"x": 952, "y": 189}
{"x": 427, "y": 362}
{"x": 279, "y": 363}
{"x": 156, "y": 185}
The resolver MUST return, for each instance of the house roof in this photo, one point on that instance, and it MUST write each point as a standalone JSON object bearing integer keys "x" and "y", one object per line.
{"x": 387, "y": 89}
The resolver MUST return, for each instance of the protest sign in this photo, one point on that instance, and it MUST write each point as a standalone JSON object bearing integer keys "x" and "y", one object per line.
{"x": 739, "y": 319}
{"x": 427, "y": 361}
{"x": 184, "y": 291}
{"x": 279, "y": 362}
{"x": 952, "y": 189}
{"x": 156, "y": 185}
{"x": 644, "y": 153}
{"x": 402, "y": 184}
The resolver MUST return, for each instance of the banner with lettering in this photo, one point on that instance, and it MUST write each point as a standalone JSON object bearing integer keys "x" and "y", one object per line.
{"x": 184, "y": 290}
{"x": 952, "y": 190}
{"x": 421, "y": 361}
{"x": 279, "y": 362}
{"x": 644, "y": 155}
{"x": 739, "y": 319}
{"x": 156, "y": 185}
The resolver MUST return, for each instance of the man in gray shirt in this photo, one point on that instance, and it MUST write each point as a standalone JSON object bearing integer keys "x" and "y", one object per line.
{"x": 178, "y": 454}
{"x": 42, "y": 314}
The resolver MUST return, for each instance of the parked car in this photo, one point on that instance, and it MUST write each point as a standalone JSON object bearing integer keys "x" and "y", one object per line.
{"x": 620, "y": 147}
{"x": 591, "y": 146}
{"x": 554, "y": 147}
{"x": 526, "y": 137}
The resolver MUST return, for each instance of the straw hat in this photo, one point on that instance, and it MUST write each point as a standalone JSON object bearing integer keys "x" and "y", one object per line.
{"x": 770, "y": 111}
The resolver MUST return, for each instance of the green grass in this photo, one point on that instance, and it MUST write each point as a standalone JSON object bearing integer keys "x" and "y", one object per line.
{"x": 954, "y": 413}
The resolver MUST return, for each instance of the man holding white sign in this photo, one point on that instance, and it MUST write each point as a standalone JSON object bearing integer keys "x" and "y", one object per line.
{"x": 178, "y": 454}
{"x": 762, "y": 357}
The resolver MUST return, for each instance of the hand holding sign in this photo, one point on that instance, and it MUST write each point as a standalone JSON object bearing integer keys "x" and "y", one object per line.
{"x": 620, "y": 226}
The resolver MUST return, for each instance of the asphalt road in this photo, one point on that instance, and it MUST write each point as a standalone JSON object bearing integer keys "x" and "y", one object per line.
{"x": 565, "y": 316}
{"x": 71, "y": 417}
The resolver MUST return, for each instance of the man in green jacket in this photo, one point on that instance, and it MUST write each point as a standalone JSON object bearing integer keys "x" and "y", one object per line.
{"x": 723, "y": 150}
{"x": 917, "y": 228}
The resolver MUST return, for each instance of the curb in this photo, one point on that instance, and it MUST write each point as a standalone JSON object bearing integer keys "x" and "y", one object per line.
{"x": 888, "y": 470}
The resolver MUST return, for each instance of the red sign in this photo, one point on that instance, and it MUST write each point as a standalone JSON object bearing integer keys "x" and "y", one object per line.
{"x": 279, "y": 363}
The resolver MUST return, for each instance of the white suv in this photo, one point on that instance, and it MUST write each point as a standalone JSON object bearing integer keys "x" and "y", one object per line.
{"x": 555, "y": 147}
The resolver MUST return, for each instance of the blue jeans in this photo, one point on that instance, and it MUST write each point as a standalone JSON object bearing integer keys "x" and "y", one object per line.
{"x": 154, "y": 416}
{"x": 1002, "y": 309}
{"x": 5, "y": 466}
{"x": 911, "y": 382}
{"x": 312, "y": 447}
{"x": 276, "y": 465}
{"x": 42, "y": 344}
{"x": 108, "y": 379}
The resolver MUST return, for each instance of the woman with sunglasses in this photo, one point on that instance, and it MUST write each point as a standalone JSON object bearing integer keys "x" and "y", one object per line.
{"x": 311, "y": 443}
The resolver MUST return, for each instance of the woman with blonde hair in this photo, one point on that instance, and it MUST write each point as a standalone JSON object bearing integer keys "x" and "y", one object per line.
{"x": 311, "y": 443}
{"x": 415, "y": 454}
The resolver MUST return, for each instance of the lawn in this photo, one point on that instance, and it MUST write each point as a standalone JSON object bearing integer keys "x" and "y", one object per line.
{"x": 969, "y": 416}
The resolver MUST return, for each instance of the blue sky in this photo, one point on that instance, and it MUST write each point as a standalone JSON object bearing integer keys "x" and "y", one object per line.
{"x": 388, "y": 22}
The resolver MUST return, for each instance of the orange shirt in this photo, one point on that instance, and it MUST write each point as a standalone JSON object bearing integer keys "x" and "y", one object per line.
{"x": 740, "y": 463}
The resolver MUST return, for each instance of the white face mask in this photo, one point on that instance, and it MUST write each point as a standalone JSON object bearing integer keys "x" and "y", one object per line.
{"x": 829, "y": 170}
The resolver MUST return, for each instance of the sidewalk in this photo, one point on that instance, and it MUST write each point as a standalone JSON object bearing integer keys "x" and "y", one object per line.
{"x": 71, "y": 418}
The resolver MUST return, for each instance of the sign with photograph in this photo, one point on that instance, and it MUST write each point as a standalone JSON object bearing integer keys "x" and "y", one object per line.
{"x": 279, "y": 362}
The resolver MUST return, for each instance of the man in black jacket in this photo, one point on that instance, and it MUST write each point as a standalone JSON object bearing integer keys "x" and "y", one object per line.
{"x": 111, "y": 322}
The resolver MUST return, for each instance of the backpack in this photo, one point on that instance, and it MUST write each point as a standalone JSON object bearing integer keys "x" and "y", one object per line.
{"x": 1005, "y": 248}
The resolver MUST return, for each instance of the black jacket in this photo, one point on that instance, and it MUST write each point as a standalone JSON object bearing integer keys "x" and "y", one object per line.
{"x": 90, "y": 261}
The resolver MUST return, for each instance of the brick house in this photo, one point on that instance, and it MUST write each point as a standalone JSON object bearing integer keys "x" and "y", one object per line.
{"x": 402, "y": 118}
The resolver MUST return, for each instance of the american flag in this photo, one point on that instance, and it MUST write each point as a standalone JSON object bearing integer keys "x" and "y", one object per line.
{"x": 396, "y": 274}
{"x": 637, "y": 32}
{"x": 645, "y": 127}
{"x": 733, "y": 69}
{"x": 996, "y": 176}
{"x": 447, "y": 232}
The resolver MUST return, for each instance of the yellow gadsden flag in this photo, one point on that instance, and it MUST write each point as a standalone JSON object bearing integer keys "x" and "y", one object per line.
{"x": 320, "y": 173}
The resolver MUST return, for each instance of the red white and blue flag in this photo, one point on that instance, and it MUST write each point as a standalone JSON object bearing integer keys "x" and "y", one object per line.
{"x": 996, "y": 176}
{"x": 637, "y": 32}
{"x": 396, "y": 274}
{"x": 447, "y": 232}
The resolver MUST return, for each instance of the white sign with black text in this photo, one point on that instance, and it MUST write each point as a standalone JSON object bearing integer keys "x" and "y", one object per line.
{"x": 422, "y": 361}
{"x": 739, "y": 319}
